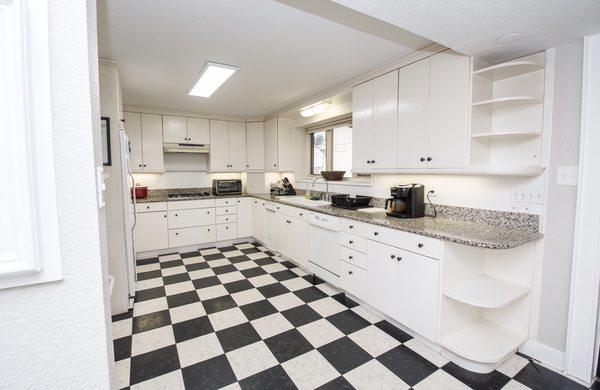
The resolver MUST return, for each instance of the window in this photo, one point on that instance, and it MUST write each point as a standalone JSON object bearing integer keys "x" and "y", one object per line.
{"x": 331, "y": 149}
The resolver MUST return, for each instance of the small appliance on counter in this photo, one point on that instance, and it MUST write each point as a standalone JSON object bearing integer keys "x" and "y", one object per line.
{"x": 408, "y": 201}
{"x": 227, "y": 187}
{"x": 282, "y": 187}
{"x": 139, "y": 192}
{"x": 350, "y": 202}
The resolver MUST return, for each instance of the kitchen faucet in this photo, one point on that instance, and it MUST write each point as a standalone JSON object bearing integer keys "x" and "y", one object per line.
{"x": 326, "y": 186}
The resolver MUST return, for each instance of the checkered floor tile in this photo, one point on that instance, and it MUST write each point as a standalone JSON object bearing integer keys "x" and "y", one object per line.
{"x": 240, "y": 317}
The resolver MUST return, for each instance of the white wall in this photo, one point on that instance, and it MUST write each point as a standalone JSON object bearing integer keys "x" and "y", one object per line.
{"x": 57, "y": 335}
{"x": 182, "y": 179}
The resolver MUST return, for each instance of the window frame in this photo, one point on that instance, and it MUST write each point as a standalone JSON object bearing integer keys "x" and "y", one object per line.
{"x": 329, "y": 150}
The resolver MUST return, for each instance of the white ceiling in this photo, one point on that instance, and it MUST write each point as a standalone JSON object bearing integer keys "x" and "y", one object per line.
{"x": 472, "y": 26}
{"x": 284, "y": 53}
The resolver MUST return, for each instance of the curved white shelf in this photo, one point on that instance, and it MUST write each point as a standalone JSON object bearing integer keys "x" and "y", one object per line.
{"x": 484, "y": 342}
{"x": 487, "y": 292}
{"x": 506, "y": 102}
{"x": 506, "y": 133}
{"x": 509, "y": 69}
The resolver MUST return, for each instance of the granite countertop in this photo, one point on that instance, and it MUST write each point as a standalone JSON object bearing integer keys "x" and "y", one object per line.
{"x": 468, "y": 233}
{"x": 161, "y": 195}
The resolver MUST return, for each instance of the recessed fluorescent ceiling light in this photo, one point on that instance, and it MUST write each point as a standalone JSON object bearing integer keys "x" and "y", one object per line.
{"x": 315, "y": 109}
{"x": 211, "y": 78}
{"x": 509, "y": 38}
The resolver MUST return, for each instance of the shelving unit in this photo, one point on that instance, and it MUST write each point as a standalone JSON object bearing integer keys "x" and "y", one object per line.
{"x": 487, "y": 292}
{"x": 507, "y": 114}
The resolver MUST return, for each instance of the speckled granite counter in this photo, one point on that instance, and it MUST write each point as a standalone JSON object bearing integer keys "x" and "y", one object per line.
{"x": 467, "y": 233}
{"x": 162, "y": 195}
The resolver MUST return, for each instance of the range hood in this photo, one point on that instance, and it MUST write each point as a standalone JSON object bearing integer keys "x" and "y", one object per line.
{"x": 173, "y": 147}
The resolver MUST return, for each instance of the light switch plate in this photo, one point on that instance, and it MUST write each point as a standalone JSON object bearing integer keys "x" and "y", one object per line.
{"x": 567, "y": 176}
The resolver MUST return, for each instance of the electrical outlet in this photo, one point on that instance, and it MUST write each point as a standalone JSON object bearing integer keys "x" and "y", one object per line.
{"x": 567, "y": 176}
{"x": 526, "y": 208}
{"x": 527, "y": 196}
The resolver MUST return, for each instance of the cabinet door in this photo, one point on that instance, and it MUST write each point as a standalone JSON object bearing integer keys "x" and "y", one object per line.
{"x": 244, "y": 217}
{"x": 133, "y": 129}
{"x": 272, "y": 227}
{"x": 285, "y": 147}
{"x": 258, "y": 220}
{"x": 353, "y": 280}
{"x": 237, "y": 146}
{"x": 418, "y": 294}
{"x": 191, "y": 217}
{"x": 219, "y": 146}
{"x": 152, "y": 143}
{"x": 382, "y": 274}
{"x": 255, "y": 146}
{"x": 413, "y": 114}
{"x": 384, "y": 140}
{"x": 449, "y": 109}
{"x": 198, "y": 131}
{"x": 271, "y": 144}
{"x": 175, "y": 129}
{"x": 192, "y": 236}
{"x": 151, "y": 232}
{"x": 362, "y": 126}
{"x": 298, "y": 240}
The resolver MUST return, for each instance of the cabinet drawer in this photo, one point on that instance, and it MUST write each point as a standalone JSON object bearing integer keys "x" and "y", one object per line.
{"x": 190, "y": 218}
{"x": 150, "y": 207}
{"x": 226, "y": 219}
{"x": 226, "y": 231}
{"x": 191, "y": 204}
{"x": 353, "y": 280}
{"x": 227, "y": 210}
{"x": 191, "y": 236}
{"x": 354, "y": 242}
{"x": 426, "y": 246}
{"x": 224, "y": 202}
{"x": 354, "y": 227}
{"x": 353, "y": 257}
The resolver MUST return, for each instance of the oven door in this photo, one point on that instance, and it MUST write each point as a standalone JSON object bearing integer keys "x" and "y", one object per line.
{"x": 228, "y": 186}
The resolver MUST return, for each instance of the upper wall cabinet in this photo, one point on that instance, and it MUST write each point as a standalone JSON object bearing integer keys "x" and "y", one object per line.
{"x": 227, "y": 146}
{"x": 433, "y": 112}
{"x": 145, "y": 132}
{"x": 374, "y": 123}
{"x": 279, "y": 138}
{"x": 182, "y": 130}
{"x": 255, "y": 146}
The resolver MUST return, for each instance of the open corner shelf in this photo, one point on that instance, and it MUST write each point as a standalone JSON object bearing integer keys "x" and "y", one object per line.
{"x": 506, "y": 102}
{"x": 484, "y": 342}
{"x": 505, "y": 133}
{"x": 509, "y": 69}
{"x": 487, "y": 292}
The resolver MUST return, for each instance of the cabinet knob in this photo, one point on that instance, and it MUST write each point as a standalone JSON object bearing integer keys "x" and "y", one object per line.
{"x": 350, "y": 272}
{"x": 247, "y": 166}
{"x": 376, "y": 233}
{"x": 372, "y": 161}
{"x": 176, "y": 234}
{"x": 277, "y": 208}
{"x": 368, "y": 161}
{"x": 274, "y": 165}
{"x": 145, "y": 165}
{"x": 350, "y": 257}
{"x": 351, "y": 227}
{"x": 208, "y": 230}
{"x": 393, "y": 256}
{"x": 140, "y": 165}
{"x": 301, "y": 214}
{"x": 177, "y": 215}
{"x": 147, "y": 207}
{"x": 399, "y": 258}
{"x": 208, "y": 212}
{"x": 422, "y": 159}
{"x": 165, "y": 215}
{"x": 350, "y": 242}
{"x": 227, "y": 227}
{"x": 428, "y": 158}
{"x": 420, "y": 245}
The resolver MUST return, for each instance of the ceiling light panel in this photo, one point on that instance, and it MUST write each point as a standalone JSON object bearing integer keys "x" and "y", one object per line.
{"x": 213, "y": 75}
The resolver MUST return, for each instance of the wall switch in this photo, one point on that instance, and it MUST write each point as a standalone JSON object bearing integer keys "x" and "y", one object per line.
{"x": 567, "y": 176}
{"x": 526, "y": 208}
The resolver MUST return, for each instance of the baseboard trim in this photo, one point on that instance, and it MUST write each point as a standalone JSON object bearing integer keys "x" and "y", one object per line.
{"x": 547, "y": 355}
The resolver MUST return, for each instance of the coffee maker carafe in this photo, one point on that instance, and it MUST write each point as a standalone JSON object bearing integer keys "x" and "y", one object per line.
{"x": 407, "y": 201}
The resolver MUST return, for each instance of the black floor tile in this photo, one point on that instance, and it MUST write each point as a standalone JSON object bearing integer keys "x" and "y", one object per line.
{"x": 155, "y": 363}
{"x": 314, "y": 280}
{"x": 407, "y": 364}
{"x": 258, "y": 309}
{"x": 189, "y": 254}
{"x": 344, "y": 354}
{"x": 215, "y": 256}
{"x": 288, "y": 345}
{"x": 122, "y": 316}
{"x": 391, "y": 330}
{"x": 250, "y": 250}
{"x": 193, "y": 328}
{"x": 238, "y": 259}
{"x": 348, "y": 321}
{"x": 224, "y": 269}
{"x": 181, "y": 299}
{"x": 122, "y": 348}
{"x": 301, "y": 315}
{"x": 171, "y": 264}
{"x": 150, "y": 293}
{"x": 252, "y": 272}
{"x": 205, "y": 282}
{"x": 237, "y": 286}
{"x": 339, "y": 383}
{"x": 288, "y": 264}
{"x": 544, "y": 379}
{"x": 284, "y": 275}
{"x": 151, "y": 321}
{"x": 149, "y": 275}
{"x": 344, "y": 300}
{"x": 272, "y": 290}
{"x": 265, "y": 261}
{"x": 274, "y": 378}
{"x": 237, "y": 336}
{"x": 218, "y": 304}
{"x": 196, "y": 266}
{"x": 149, "y": 260}
{"x": 208, "y": 375}
{"x": 310, "y": 294}
{"x": 230, "y": 248}
{"x": 177, "y": 278}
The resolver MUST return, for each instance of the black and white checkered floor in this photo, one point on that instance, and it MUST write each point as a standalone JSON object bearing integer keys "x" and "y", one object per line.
{"x": 240, "y": 317}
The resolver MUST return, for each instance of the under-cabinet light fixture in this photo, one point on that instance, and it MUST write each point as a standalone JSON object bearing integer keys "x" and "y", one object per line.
{"x": 213, "y": 75}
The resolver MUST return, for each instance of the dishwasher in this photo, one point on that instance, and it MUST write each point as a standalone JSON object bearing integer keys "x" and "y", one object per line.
{"x": 323, "y": 246}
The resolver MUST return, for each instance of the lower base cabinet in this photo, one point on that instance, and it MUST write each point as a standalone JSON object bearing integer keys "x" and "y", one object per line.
{"x": 293, "y": 238}
{"x": 192, "y": 236}
{"x": 258, "y": 219}
{"x": 227, "y": 231}
{"x": 382, "y": 273}
{"x": 353, "y": 280}
{"x": 150, "y": 232}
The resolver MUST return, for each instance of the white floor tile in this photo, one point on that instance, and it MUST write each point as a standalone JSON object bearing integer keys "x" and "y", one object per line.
{"x": 310, "y": 370}
{"x": 262, "y": 280}
{"x": 235, "y": 253}
{"x": 275, "y": 267}
{"x": 374, "y": 375}
{"x": 366, "y": 314}
{"x": 328, "y": 289}
{"x": 514, "y": 385}
{"x": 201, "y": 273}
{"x": 121, "y": 328}
{"x": 171, "y": 257}
{"x": 246, "y": 245}
{"x": 178, "y": 288}
{"x": 227, "y": 318}
{"x": 153, "y": 339}
{"x": 212, "y": 292}
{"x": 218, "y": 263}
{"x": 428, "y": 353}
{"x": 199, "y": 349}
{"x": 374, "y": 340}
{"x": 296, "y": 284}
{"x": 186, "y": 312}
{"x": 320, "y": 332}
{"x": 327, "y": 306}
{"x": 271, "y": 325}
{"x": 299, "y": 271}
{"x": 148, "y": 283}
{"x": 193, "y": 260}
{"x": 257, "y": 255}
{"x": 440, "y": 380}
{"x": 231, "y": 277}
{"x": 251, "y": 359}
{"x": 122, "y": 370}
{"x": 171, "y": 381}
{"x": 150, "y": 306}
{"x": 286, "y": 301}
{"x": 147, "y": 267}
{"x": 248, "y": 296}
{"x": 173, "y": 270}
{"x": 245, "y": 265}
{"x": 209, "y": 251}
{"x": 513, "y": 365}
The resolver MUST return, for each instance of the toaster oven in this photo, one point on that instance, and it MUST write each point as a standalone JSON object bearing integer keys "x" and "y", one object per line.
{"x": 227, "y": 187}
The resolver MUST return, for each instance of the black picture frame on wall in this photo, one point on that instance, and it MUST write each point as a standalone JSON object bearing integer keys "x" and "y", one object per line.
{"x": 105, "y": 135}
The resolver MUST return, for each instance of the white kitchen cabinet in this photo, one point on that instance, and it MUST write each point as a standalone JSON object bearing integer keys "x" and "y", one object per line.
{"x": 274, "y": 221}
{"x": 198, "y": 130}
{"x": 175, "y": 129}
{"x": 237, "y": 146}
{"x": 151, "y": 231}
{"x": 192, "y": 236}
{"x": 353, "y": 280}
{"x": 258, "y": 220}
{"x": 279, "y": 144}
{"x": 244, "y": 217}
{"x": 382, "y": 277}
{"x": 374, "y": 123}
{"x": 418, "y": 286}
{"x": 146, "y": 142}
{"x": 255, "y": 146}
{"x": 298, "y": 240}
{"x": 227, "y": 231}
{"x": 190, "y": 218}
{"x": 271, "y": 144}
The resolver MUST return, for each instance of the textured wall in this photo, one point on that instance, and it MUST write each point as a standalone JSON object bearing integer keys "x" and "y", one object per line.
{"x": 54, "y": 335}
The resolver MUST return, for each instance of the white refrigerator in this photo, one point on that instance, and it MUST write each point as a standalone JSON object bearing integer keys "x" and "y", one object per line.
{"x": 129, "y": 215}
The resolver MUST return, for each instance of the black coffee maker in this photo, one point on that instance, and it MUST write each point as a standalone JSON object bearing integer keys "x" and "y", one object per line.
{"x": 407, "y": 201}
